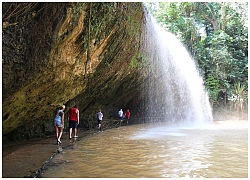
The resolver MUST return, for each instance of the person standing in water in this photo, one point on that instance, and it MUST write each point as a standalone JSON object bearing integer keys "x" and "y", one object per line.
{"x": 99, "y": 119}
{"x": 127, "y": 115}
{"x": 73, "y": 121}
{"x": 59, "y": 123}
{"x": 120, "y": 114}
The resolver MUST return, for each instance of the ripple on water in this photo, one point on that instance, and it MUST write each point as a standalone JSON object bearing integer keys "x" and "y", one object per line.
{"x": 150, "y": 151}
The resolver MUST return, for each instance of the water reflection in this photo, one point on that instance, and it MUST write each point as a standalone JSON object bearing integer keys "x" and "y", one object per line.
{"x": 147, "y": 150}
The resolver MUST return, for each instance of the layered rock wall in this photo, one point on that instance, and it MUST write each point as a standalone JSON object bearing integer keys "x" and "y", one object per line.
{"x": 68, "y": 53}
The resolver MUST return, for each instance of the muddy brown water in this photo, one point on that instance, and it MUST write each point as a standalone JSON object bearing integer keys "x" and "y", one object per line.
{"x": 25, "y": 159}
{"x": 151, "y": 151}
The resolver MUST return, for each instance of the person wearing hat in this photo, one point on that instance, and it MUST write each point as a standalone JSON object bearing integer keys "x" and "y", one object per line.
{"x": 59, "y": 123}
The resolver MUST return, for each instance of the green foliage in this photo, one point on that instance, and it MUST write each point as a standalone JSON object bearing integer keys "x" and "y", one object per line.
{"x": 216, "y": 34}
{"x": 108, "y": 64}
{"x": 134, "y": 62}
{"x": 238, "y": 96}
{"x": 137, "y": 61}
{"x": 213, "y": 88}
{"x": 77, "y": 11}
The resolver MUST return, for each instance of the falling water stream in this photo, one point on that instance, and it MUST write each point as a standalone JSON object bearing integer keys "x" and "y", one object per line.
{"x": 174, "y": 88}
{"x": 180, "y": 140}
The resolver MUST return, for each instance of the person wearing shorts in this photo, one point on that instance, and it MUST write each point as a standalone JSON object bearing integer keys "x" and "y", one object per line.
{"x": 59, "y": 123}
{"x": 99, "y": 119}
{"x": 73, "y": 121}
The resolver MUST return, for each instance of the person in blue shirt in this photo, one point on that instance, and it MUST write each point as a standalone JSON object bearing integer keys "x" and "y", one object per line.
{"x": 59, "y": 123}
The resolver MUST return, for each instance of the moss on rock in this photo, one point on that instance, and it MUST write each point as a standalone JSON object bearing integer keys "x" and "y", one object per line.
{"x": 67, "y": 53}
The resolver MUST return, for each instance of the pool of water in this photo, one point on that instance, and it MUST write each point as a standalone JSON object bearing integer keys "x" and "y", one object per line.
{"x": 218, "y": 150}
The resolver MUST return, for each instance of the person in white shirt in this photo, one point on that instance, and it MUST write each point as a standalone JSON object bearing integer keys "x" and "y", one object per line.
{"x": 99, "y": 118}
{"x": 120, "y": 114}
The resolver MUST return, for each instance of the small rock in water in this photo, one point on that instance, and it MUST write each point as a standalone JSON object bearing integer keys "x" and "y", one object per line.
{"x": 60, "y": 149}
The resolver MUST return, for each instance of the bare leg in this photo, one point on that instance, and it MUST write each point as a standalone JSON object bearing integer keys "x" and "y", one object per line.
{"x": 75, "y": 132}
{"x": 70, "y": 133}
{"x": 60, "y": 133}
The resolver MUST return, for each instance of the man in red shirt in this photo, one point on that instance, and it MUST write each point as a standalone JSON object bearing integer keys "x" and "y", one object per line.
{"x": 127, "y": 115}
{"x": 73, "y": 121}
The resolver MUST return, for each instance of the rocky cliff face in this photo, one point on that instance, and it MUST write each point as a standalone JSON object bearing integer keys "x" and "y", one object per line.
{"x": 68, "y": 53}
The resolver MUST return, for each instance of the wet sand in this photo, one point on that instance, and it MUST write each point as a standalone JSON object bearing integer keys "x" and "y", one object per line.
{"x": 26, "y": 159}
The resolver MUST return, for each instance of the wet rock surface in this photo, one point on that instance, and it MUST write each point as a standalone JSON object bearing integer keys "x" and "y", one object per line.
{"x": 68, "y": 53}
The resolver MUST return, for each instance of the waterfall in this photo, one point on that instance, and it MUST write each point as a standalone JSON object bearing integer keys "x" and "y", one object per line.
{"x": 173, "y": 89}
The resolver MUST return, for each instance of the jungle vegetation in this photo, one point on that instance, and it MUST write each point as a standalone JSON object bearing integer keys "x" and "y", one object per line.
{"x": 216, "y": 35}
